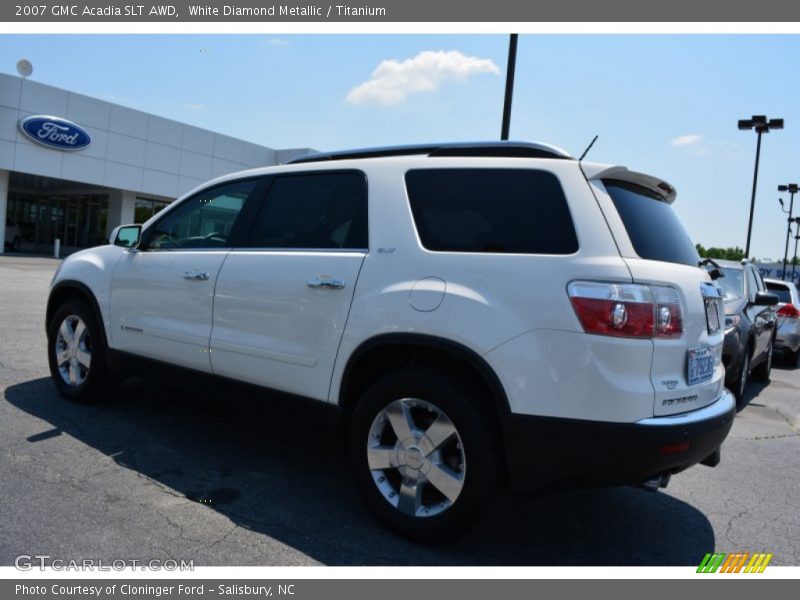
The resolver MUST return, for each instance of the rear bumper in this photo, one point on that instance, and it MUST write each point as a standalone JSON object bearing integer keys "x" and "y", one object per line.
{"x": 545, "y": 452}
{"x": 788, "y": 337}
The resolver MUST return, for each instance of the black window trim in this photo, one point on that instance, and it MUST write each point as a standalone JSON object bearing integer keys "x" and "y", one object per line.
{"x": 262, "y": 203}
{"x": 422, "y": 246}
{"x": 235, "y": 234}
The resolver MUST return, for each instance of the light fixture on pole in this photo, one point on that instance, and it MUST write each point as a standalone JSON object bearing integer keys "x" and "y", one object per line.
{"x": 792, "y": 189}
{"x": 761, "y": 125}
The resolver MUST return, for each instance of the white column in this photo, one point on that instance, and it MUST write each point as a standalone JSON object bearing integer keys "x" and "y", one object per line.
{"x": 3, "y": 208}
{"x": 121, "y": 207}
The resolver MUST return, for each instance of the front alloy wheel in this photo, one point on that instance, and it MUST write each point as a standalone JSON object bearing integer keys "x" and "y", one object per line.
{"x": 76, "y": 352}
{"x": 741, "y": 384}
{"x": 416, "y": 457}
{"x": 73, "y": 351}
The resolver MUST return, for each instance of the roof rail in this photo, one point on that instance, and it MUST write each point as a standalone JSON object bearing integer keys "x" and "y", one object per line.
{"x": 501, "y": 149}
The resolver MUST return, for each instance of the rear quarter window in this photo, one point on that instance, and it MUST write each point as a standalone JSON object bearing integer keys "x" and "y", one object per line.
{"x": 653, "y": 227}
{"x": 491, "y": 210}
{"x": 782, "y": 291}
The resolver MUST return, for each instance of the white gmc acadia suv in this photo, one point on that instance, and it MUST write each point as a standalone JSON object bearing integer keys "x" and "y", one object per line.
{"x": 476, "y": 313}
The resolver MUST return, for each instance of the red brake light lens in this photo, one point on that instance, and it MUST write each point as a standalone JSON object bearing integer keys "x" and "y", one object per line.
{"x": 789, "y": 310}
{"x": 627, "y": 309}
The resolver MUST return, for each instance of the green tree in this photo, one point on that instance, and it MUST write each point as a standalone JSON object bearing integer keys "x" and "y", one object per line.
{"x": 734, "y": 253}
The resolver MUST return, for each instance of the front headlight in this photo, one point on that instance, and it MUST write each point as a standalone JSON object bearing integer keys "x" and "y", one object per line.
{"x": 731, "y": 321}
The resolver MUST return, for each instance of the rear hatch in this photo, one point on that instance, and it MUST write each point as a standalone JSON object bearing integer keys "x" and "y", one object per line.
{"x": 686, "y": 369}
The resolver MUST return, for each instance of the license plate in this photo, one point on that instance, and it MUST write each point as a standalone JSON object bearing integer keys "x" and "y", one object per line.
{"x": 712, "y": 316}
{"x": 701, "y": 365}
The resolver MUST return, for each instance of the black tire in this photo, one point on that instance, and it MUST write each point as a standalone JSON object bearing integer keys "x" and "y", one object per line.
{"x": 474, "y": 422}
{"x": 740, "y": 386}
{"x": 762, "y": 371}
{"x": 92, "y": 383}
{"x": 790, "y": 357}
{"x": 16, "y": 244}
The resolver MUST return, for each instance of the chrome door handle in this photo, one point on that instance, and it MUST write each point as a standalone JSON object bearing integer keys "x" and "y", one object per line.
{"x": 195, "y": 276}
{"x": 327, "y": 282}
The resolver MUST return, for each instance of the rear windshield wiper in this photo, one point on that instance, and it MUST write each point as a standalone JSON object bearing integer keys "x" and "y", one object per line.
{"x": 715, "y": 272}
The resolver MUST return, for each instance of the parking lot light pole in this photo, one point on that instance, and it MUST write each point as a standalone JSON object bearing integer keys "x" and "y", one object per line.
{"x": 510, "y": 70}
{"x": 796, "y": 238}
{"x": 761, "y": 125}
{"x": 792, "y": 189}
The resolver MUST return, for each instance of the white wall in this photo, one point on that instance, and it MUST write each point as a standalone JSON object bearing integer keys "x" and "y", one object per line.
{"x": 3, "y": 206}
{"x": 130, "y": 150}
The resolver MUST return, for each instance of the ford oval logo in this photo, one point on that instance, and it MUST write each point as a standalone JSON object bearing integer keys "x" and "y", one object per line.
{"x": 54, "y": 132}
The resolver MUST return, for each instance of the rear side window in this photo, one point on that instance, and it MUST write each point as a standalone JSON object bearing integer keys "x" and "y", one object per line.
{"x": 491, "y": 210}
{"x": 315, "y": 210}
{"x": 781, "y": 291}
{"x": 655, "y": 230}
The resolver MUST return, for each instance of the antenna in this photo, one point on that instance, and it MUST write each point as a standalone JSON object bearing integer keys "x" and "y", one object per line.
{"x": 589, "y": 147}
{"x": 24, "y": 67}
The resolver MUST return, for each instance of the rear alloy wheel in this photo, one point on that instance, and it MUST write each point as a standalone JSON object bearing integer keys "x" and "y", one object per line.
{"x": 762, "y": 371}
{"x": 76, "y": 353}
{"x": 424, "y": 454}
{"x": 416, "y": 457}
{"x": 741, "y": 382}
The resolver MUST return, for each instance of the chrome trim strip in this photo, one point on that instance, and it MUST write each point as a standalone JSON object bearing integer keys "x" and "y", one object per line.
{"x": 709, "y": 290}
{"x": 723, "y": 405}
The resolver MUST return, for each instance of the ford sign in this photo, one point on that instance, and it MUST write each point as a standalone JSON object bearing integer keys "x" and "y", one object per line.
{"x": 54, "y": 132}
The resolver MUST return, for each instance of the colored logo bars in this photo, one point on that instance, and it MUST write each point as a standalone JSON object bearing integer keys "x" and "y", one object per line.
{"x": 743, "y": 562}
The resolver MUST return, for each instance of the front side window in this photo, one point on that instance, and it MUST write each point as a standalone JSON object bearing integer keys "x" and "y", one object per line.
{"x": 752, "y": 283}
{"x": 145, "y": 208}
{"x": 314, "y": 211}
{"x": 491, "y": 210}
{"x": 203, "y": 221}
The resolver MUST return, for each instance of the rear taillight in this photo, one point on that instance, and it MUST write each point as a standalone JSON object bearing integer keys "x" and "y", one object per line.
{"x": 627, "y": 309}
{"x": 788, "y": 310}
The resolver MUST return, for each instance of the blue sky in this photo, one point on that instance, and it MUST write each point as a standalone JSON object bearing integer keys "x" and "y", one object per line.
{"x": 663, "y": 104}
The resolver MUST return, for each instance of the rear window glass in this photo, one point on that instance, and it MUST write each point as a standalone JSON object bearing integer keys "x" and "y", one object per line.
{"x": 732, "y": 284}
{"x": 520, "y": 211}
{"x": 781, "y": 291}
{"x": 654, "y": 228}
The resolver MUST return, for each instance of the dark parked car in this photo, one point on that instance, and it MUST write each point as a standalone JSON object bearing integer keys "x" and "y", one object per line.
{"x": 750, "y": 326}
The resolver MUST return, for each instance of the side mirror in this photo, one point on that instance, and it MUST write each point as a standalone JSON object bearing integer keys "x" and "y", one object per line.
{"x": 766, "y": 299}
{"x": 126, "y": 236}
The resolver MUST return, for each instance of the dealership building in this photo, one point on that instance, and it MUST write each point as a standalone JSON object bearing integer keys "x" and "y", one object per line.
{"x": 73, "y": 167}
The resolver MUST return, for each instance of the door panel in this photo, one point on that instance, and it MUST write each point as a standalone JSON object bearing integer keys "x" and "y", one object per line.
{"x": 162, "y": 294}
{"x": 161, "y": 305}
{"x": 271, "y": 328}
{"x": 281, "y": 306}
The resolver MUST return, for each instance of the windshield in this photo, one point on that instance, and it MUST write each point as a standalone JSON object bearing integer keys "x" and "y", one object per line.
{"x": 655, "y": 230}
{"x": 732, "y": 284}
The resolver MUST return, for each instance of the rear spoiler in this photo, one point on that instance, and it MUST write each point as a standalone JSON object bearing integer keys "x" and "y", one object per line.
{"x": 655, "y": 185}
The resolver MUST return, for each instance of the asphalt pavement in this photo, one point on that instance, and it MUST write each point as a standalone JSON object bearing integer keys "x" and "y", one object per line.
{"x": 226, "y": 476}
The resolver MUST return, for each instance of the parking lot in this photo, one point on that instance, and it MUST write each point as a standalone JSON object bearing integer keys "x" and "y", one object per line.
{"x": 226, "y": 477}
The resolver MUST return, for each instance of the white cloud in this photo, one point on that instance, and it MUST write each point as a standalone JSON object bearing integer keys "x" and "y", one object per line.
{"x": 690, "y": 139}
{"x": 277, "y": 42}
{"x": 393, "y": 81}
{"x": 196, "y": 107}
